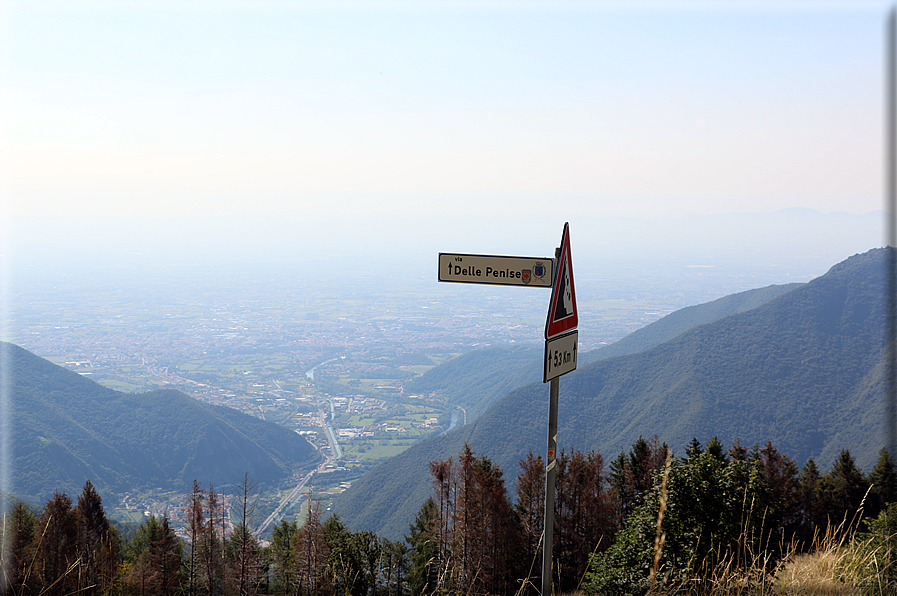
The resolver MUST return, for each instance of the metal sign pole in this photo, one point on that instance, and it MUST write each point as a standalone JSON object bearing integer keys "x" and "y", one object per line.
{"x": 550, "y": 475}
{"x": 561, "y": 337}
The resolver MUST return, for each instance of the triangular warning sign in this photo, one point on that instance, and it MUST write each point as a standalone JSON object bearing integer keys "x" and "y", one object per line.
{"x": 562, "y": 315}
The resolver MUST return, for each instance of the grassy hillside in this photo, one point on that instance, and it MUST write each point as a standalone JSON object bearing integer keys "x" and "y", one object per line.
{"x": 802, "y": 370}
{"x": 66, "y": 429}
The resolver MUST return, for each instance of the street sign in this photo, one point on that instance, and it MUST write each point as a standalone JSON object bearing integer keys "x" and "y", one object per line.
{"x": 496, "y": 270}
{"x": 562, "y": 315}
{"x": 560, "y": 355}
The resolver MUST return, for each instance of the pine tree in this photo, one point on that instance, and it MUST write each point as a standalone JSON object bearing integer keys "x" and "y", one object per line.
{"x": 694, "y": 449}
{"x": 884, "y": 484}
{"x": 211, "y": 544}
{"x": 584, "y": 515}
{"x": 138, "y": 574}
{"x": 310, "y": 552}
{"x": 531, "y": 510}
{"x": 465, "y": 522}
{"x": 370, "y": 557}
{"x": 813, "y": 517}
{"x": 445, "y": 486}
{"x": 781, "y": 496}
{"x": 738, "y": 451}
{"x": 478, "y": 538}
{"x": 423, "y": 537}
{"x": 244, "y": 562}
{"x": 56, "y": 558}
{"x": 395, "y": 566}
{"x": 245, "y": 554}
{"x": 632, "y": 476}
{"x": 19, "y": 526}
{"x": 282, "y": 556}
{"x": 499, "y": 531}
{"x": 193, "y": 510}
{"x": 344, "y": 565}
{"x": 164, "y": 560}
{"x": 716, "y": 449}
{"x": 96, "y": 543}
{"x": 842, "y": 491}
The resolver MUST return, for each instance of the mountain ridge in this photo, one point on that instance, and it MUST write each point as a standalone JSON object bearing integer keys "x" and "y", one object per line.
{"x": 747, "y": 376}
{"x": 66, "y": 429}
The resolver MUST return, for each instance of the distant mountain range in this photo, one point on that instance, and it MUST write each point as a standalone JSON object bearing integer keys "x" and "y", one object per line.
{"x": 800, "y": 366}
{"x": 67, "y": 429}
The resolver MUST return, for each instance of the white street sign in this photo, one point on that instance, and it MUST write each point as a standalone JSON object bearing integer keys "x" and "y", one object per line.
{"x": 560, "y": 355}
{"x": 496, "y": 270}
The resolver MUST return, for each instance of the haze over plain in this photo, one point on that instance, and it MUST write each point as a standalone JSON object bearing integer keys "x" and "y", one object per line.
{"x": 343, "y": 129}
{"x": 337, "y": 142}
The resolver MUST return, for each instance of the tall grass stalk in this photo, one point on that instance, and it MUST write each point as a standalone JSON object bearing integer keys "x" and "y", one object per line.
{"x": 660, "y": 536}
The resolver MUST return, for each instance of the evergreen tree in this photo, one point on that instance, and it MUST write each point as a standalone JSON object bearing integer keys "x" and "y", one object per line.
{"x": 738, "y": 451}
{"x": 138, "y": 574}
{"x": 445, "y": 486}
{"x": 282, "y": 557}
{"x": 158, "y": 559}
{"x": 694, "y": 448}
{"x": 479, "y": 534}
{"x": 97, "y": 543}
{"x": 211, "y": 550}
{"x": 310, "y": 552}
{"x": 531, "y": 511}
{"x": 345, "y": 567}
{"x": 466, "y": 528}
{"x": 19, "y": 527}
{"x": 244, "y": 562}
{"x": 780, "y": 497}
{"x": 716, "y": 449}
{"x": 842, "y": 491}
{"x": 631, "y": 476}
{"x": 813, "y": 518}
{"x": 584, "y": 515}
{"x": 193, "y": 510}
{"x": 884, "y": 484}
{"x": 370, "y": 554}
{"x": 164, "y": 560}
{"x": 56, "y": 558}
{"x": 707, "y": 520}
{"x": 423, "y": 537}
{"x": 245, "y": 555}
{"x": 499, "y": 529}
{"x": 395, "y": 556}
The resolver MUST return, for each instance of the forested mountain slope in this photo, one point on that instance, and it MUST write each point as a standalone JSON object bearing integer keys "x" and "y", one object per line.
{"x": 686, "y": 318}
{"x": 67, "y": 429}
{"x": 478, "y": 379}
{"x": 803, "y": 370}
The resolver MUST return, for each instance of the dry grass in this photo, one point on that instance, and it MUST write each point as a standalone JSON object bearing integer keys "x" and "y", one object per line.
{"x": 839, "y": 564}
{"x": 817, "y": 574}
{"x": 836, "y": 569}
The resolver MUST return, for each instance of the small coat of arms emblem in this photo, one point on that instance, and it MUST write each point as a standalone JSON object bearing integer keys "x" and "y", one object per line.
{"x": 527, "y": 275}
{"x": 539, "y": 270}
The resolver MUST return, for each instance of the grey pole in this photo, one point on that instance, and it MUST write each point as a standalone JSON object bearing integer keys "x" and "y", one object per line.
{"x": 550, "y": 475}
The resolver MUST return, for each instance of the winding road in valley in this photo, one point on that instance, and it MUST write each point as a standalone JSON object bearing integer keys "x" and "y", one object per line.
{"x": 336, "y": 453}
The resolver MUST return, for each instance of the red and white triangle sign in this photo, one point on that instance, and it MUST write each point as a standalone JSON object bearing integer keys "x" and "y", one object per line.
{"x": 562, "y": 315}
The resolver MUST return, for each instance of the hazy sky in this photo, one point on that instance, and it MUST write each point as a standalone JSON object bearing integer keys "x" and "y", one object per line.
{"x": 422, "y": 108}
{"x": 382, "y": 132}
